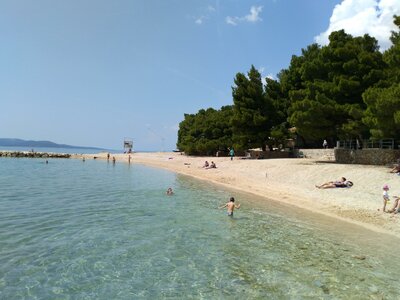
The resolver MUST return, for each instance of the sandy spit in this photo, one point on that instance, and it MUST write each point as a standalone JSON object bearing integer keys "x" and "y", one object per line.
{"x": 291, "y": 181}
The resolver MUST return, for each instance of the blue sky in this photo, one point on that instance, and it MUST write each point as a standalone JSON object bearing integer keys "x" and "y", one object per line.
{"x": 93, "y": 72}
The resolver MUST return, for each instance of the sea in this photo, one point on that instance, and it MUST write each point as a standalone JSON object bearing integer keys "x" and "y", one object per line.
{"x": 72, "y": 150}
{"x": 73, "y": 229}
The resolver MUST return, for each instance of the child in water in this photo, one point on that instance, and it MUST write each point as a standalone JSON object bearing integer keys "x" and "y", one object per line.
{"x": 231, "y": 206}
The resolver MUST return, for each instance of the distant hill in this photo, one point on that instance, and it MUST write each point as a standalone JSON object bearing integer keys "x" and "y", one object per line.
{"x": 47, "y": 144}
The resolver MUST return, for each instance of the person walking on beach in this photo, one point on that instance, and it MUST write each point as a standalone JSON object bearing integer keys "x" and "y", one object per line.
{"x": 325, "y": 144}
{"x": 231, "y": 153}
{"x": 385, "y": 196}
{"x": 231, "y": 206}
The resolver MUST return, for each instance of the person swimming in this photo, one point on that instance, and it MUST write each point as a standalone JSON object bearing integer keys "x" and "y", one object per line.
{"x": 169, "y": 191}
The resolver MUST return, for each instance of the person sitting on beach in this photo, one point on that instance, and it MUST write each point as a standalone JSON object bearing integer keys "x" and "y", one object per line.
{"x": 231, "y": 206}
{"x": 212, "y": 166}
{"x": 169, "y": 191}
{"x": 206, "y": 164}
{"x": 396, "y": 206}
{"x": 342, "y": 183}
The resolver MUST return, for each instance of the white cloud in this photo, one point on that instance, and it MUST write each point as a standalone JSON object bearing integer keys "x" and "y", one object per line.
{"x": 208, "y": 12}
{"x": 230, "y": 21}
{"x": 211, "y": 8}
{"x": 253, "y": 17}
{"x": 254, "y": 14}
{"x": 358, "y": 17}
{"x": 270, "y": 76}
{"x": 199, "y": 20}
{"x": 263, "y": 76}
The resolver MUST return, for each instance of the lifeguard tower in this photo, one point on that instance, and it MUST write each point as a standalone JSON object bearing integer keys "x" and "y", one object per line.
{"x": 128, "y": 145}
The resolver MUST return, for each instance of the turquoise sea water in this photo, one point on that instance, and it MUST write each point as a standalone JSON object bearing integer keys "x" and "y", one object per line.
{"x": 91, "y": 230}
{"x": 58, "y": 150}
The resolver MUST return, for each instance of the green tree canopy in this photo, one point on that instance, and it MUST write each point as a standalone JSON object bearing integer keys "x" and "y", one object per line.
{"x": 252, "y": 112}
{"x": 325, "y": 86}
{"x": 206, "y": 132}
{"x": 383, "y": 102}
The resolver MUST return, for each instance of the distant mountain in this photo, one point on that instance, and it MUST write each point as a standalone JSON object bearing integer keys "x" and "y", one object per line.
{"x": 47, "y": 144}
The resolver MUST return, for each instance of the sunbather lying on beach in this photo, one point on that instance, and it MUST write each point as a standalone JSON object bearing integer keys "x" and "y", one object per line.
{"x": 342, "y": 183}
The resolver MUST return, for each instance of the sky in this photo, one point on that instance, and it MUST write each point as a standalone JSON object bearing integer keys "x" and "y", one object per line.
{"x": 95, "y": 72}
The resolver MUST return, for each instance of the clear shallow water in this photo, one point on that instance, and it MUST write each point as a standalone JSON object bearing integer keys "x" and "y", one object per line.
{"x": 58, "y": 150}
{"x": 90, "y": 230}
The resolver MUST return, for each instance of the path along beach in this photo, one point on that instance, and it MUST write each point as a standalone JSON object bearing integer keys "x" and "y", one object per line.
{"x": 291, "y": 181}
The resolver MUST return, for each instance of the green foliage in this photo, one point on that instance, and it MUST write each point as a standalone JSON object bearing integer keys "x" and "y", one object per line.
{"x": 325, "y": 86}
{"x": 252, "y": 111}
{"x": 383, "y": 113}
{"x": 206, "y": 132}
{"x": 383, "y": 102}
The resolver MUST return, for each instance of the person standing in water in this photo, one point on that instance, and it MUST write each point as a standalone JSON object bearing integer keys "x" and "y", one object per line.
{"x": 231, "y": 206}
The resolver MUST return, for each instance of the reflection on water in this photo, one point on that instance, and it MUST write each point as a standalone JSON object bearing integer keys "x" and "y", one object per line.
{"x": 93, "y": 230}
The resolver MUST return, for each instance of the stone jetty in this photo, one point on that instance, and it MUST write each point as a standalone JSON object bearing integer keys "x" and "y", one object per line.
{"x": 34, "y": 154}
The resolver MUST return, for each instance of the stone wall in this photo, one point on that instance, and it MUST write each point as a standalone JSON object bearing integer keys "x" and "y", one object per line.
{"x": 322, "y": 154}
{"x": 367, "y": 156}
{"x": 269, "y": 154}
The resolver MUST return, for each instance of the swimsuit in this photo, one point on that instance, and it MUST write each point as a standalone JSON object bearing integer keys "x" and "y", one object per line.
{"x": 386, "y": 196}
{"x": 230, "y": 213}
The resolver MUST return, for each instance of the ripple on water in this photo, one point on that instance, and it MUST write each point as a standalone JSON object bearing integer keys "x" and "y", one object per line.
{"x": 93, "y": 230}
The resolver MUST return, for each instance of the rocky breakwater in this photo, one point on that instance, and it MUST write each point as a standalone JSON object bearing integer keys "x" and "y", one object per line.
{"x": 33, "y": 154}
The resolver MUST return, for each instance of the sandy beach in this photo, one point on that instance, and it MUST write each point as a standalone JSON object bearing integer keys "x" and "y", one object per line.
{"x": 292, "y": 181}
